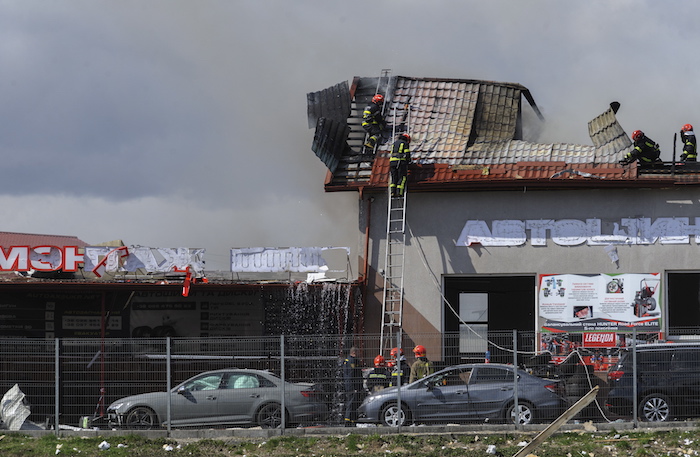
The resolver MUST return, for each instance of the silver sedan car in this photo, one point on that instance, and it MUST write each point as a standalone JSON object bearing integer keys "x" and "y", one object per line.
{"x": 222, "y": 397}
{"x": 466, "y": 393}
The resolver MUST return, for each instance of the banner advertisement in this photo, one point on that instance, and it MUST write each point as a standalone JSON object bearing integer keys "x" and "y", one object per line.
{"x": 600, "y": 303}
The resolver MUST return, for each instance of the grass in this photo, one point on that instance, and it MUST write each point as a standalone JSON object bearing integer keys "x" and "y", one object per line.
{"x": 573, "y": 444}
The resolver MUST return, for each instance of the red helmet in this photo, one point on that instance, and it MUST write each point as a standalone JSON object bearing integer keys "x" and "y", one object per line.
{"x": 379, "y": 98}
{"x": 406, "y": 136}
{"x": 687, "y": 127}
{"x": 396, "y": 353}
{"x": 419, "y": 350}
{"x": 379, "y": 361}
{"x": 637, "y": 135}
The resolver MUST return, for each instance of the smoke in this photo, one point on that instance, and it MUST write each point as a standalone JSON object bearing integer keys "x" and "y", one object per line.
{"x": 173, "y": 123}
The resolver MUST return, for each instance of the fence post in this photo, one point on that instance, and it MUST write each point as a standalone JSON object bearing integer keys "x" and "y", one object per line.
{"x": 57, "y": 366}
{"x": 282, "y": 375}
{"x": 168, "y": 383}
{"x": 635, "y": 400}
{"x": 516, "y": 406}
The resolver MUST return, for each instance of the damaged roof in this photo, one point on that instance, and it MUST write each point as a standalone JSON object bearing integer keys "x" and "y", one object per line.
{"x": 465, "y": 134}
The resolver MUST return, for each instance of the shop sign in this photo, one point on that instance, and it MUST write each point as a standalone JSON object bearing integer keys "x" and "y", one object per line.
{"x": 600, "y": 303}
{"x": 574, "y": 232}
{"x": 599, "y": 340}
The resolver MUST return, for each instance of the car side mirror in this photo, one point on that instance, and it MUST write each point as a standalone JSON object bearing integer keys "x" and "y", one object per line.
{"x": 182, "y": 390}
{"x": 428, "y": 384}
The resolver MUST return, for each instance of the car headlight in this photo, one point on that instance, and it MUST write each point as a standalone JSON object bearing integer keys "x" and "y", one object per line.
{"x": 115, "y": 406}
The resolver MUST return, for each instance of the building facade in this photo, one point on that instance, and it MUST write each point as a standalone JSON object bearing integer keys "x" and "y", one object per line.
{"x": 504, "y": 233}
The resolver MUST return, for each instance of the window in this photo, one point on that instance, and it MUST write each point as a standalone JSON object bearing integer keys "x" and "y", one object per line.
{"x": 206, "y": 382}
{"x": 484, "y": 375}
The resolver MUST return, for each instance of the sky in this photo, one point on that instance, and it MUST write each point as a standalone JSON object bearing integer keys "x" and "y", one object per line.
{"x": 173, "y": 123}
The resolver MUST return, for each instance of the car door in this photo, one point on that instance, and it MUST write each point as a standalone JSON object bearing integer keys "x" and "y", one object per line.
{"x": 196, "y": 400}
{"x": 243, "y": 393}
{"x": 490, "y": 389}
{"x": 443, "y": 397}
{"x": 683, "y": 379}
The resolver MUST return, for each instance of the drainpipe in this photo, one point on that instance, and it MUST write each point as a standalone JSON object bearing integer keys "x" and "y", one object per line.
{"x": 365, "y": 267}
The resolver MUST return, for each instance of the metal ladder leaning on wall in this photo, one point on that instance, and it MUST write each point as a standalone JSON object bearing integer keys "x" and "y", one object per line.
{"x": 393, "y": 272}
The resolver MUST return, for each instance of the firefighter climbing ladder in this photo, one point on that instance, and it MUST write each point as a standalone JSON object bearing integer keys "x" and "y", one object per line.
{"x": 393, "y": 272}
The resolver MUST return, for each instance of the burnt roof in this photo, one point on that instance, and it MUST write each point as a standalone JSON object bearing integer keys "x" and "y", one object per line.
{"x": 466, "y": 134}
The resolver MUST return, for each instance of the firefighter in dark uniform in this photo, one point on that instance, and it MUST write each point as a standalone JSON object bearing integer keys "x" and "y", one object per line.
{"x": 352, "y": 379}
{"x": 690, "y": 151}
{"x": 398, "y": 163}
{"x": 373, "y": 122}
{"x": 646, "y": 151}
{"x": 378, "y": 377}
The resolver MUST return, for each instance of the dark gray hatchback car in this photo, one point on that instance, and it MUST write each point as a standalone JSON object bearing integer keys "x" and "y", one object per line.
{"x": 466, "y": 393}
{"x": 668, "y": 382}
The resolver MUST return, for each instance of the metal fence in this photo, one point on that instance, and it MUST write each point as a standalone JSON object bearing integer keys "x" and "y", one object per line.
{"x": 73, "y": 382}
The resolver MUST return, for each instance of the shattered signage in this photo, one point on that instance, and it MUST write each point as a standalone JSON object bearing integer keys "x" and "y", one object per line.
{"x": 600, "y": 303}
{"x": 100, "y": 258}
{"x": 574, "y": 232}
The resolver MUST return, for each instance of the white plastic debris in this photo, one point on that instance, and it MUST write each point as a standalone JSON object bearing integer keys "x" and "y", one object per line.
{"x": 491, "y": 449}
{"x": 122, "y": 445}
{"x": 522, "y": 443}
{"x": 103, "y": 446}
{"x": 167, "y": 447}
{"x": 13, "y": 411}
{"x": 58, "y": 448}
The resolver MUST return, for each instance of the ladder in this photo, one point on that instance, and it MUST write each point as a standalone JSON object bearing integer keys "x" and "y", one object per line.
{"x": 392, "y": 304}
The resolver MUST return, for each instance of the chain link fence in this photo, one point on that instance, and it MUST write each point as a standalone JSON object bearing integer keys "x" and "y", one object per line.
{"x": 311, "y": 380}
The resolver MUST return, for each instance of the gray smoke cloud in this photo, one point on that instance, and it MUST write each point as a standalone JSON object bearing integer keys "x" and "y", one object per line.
{"x": 177, "y": 123}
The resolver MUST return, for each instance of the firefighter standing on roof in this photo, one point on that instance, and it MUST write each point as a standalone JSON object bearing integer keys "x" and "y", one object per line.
{"x": 400, "y": 156}
{"x": 646, "y": 151}
{"x": 690, "y": 153}
{"x": 373, "y": 122}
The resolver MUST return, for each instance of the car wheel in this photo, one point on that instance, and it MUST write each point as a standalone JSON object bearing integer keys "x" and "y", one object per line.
{"x": 392, "y": 416}
{"x": 655, "y": 408}
{"x": 142, "y": 418}
{"x": 525, "y": 414}
{"x": 270, "y": 416}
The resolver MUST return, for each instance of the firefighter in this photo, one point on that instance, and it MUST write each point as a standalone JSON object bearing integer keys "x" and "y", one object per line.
{"x": 422, "y": 367}
{"x": 690, "y": 153}
{"x": 352, "y": 380}
{"x": 400, "y": 370}
{"x": 378, "y": 377}
{"x": 373, "y": 122}
{"x": 398, "y": 163}
{"x": 646, "y": 151}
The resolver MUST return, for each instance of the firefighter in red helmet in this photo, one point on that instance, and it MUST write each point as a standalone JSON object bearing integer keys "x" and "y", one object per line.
{"x": 400, "y": 372}
{"x": 373, "y": 122}
{"x": 378, "y": 377}
{"x": 422, "y": 367}
{"x": 690, "y": 152}
{"x": 398, "y": 164}
{"x": 645, "y": 151}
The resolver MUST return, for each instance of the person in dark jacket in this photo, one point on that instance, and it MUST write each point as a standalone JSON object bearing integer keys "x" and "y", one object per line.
{"x": 645, "y": 151}
{"x": 378, "y": 377}
{"x": 373, "y": 122}
{"x": 398, "y": 165}
{"x": 690, "y": 151}
{"x": 352, "y": 379}
{"x": 400, "y": 368}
